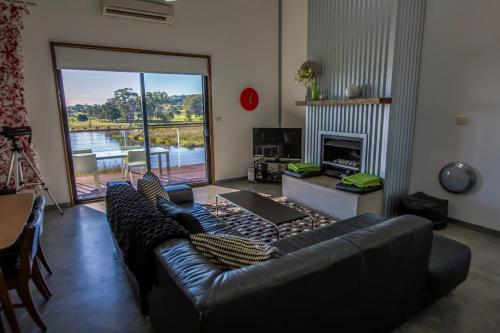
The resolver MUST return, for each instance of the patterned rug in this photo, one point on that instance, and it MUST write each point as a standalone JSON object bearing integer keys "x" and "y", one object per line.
{"x": 256, "y": 228}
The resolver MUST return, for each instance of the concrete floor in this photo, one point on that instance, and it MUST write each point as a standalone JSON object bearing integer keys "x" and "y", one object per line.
{"x": 91, "y": 293}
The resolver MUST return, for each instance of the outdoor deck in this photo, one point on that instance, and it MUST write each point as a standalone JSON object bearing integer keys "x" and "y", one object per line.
{"x": 86, "y": 189}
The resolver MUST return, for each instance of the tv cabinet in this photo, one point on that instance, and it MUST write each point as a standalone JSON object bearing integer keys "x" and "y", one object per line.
{"x": 270, "y": 169}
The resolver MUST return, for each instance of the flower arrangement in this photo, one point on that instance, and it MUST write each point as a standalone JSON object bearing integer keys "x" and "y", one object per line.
{"x": 307, "y": 74}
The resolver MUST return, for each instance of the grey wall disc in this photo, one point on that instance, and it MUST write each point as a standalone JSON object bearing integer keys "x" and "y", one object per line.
{"x": 457, "y": 178}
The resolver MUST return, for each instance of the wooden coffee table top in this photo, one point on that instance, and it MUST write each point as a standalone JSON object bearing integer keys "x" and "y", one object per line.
{"x": 15, "y": 210}
{"x": 263, "y": 207}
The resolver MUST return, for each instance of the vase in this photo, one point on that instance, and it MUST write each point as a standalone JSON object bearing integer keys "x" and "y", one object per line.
{"x": 315, "y": 92}
{"x": 352, "y": 91}
{"x": 308, "y": 94}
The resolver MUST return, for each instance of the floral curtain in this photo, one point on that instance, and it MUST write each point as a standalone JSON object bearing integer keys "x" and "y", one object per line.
{"x": 13, "y": 111}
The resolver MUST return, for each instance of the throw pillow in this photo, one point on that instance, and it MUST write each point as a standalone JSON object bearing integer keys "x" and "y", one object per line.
{"x": 231, "y": 252}
{"x": 186, "y": 219}
{"x": 150, "y": 186}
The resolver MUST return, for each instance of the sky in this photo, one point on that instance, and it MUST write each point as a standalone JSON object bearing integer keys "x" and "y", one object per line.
{"x": 95, "y": 87}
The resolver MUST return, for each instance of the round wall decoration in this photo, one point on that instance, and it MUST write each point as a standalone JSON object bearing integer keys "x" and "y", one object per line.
{"x": 457, "y": 178}
{"x": 249, "y": 99}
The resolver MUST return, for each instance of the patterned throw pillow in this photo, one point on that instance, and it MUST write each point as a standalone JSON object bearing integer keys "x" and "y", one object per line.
{"x": 231, "y": 252}
{"x": 150, "y": 186}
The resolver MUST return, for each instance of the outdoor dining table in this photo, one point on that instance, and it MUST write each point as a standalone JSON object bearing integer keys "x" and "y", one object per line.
{"x": 111, "y": 154}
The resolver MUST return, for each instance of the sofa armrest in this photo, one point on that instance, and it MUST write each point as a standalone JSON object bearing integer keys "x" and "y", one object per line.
{"x": 183, "y": 278}
{"x": 117, "y": 182}
{"x": 180, "y": 194}
{"x": 188, "y": 269}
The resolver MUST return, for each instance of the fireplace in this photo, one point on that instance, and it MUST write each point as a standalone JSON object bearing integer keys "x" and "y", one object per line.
{"x": 342, "y": 153}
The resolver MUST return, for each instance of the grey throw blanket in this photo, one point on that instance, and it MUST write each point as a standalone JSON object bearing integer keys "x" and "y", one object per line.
{"x": 138, "y": 229}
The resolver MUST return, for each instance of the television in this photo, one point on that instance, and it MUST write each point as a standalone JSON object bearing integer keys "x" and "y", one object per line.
{"x": 285, "y": 143}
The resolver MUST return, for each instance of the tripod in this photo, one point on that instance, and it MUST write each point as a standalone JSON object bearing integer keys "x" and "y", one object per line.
{"x": 15, "y": 166}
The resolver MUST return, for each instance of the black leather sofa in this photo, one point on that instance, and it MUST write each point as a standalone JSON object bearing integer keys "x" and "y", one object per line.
{"x": 364, "y": 274}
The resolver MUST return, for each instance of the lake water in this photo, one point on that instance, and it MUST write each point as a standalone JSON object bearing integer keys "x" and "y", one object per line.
{"x": 112, "y": 140}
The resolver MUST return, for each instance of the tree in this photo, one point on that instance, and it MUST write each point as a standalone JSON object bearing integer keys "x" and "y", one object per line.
{"x": 157, "y": 103}
{"x": 126, "y": 101}
{"x": 74, "y": 110}
{"x": 82, "y": 117}
{"x": 95, "y": 110}
{"x": 169, "y": 112}
{"x": 111, "y": 111}
{"x": 192, "y": 105}
{"x": 188, "y": 114}
{"x": 126, "y": 105}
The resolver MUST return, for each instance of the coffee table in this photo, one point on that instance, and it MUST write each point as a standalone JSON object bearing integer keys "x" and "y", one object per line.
{"x": 268, "y": 210}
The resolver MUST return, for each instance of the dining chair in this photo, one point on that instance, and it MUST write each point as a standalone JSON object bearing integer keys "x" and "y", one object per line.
{"x": 135, "y": 159}
{"x": 87, "y": 163}
{"x": 18, "y": 273}
{"x": 6, "y": 306}
{"x": 40, "y": 205}
{"x": 82, "y": 151}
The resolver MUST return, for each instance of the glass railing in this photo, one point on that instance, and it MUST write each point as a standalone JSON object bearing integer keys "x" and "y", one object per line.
{"x": 177, "y": 153}
{"x": 185, "y": 143}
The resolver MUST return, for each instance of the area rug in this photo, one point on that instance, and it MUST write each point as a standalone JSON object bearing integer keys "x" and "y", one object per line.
{"x": 253, "y": 227}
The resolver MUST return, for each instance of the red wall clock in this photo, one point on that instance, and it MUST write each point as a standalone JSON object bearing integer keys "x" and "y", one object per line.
{"x": 249, "y": 99}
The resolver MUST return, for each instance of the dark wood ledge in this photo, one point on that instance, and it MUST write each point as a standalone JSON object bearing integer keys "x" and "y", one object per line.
{"x": 355, "y": 101}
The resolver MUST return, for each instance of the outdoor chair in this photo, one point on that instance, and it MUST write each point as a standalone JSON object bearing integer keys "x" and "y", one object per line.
{"x": 87, "y": 163}
{"x": 136, "y": 159}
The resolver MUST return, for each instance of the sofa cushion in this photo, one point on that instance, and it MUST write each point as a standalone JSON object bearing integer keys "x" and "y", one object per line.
{"x": 229, "y": 252}
{"x": 209, "y": 222}
{"x": 306, "y": 239}
{"x": 449, "y": 266}
{"x": 150, "y": 186}
{"x": 186, "y": 219}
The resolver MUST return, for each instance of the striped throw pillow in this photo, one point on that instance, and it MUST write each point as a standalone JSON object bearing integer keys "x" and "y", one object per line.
{"x": 231, "y": 252}
{"x": 150, "y": 186}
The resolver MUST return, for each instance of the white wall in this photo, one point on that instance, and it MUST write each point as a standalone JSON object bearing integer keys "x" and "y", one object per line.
{"x": 240, "y": 35}
{"x": 461, "y": 76}
{"x": 294, "y": 53}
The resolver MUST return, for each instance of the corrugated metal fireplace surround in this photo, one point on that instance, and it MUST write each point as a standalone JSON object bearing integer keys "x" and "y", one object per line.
{"x": 375, "y": 44}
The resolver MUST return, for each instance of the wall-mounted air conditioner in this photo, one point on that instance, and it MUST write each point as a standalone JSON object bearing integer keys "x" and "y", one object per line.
{"x": 140, "y": 10}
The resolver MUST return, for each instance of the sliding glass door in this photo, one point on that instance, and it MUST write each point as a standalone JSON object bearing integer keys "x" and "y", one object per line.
{"x": 120, "y": 124}
{"x": 176, "y": 124}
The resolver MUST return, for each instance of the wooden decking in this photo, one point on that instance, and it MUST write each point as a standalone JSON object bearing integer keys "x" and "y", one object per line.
{"x": 86, "y": 186}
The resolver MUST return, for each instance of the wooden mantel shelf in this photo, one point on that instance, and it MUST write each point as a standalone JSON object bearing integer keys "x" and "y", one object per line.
{"x": 356, "y": 101}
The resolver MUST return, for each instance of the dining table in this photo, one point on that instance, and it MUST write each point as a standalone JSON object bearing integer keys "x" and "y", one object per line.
{"x": 15, "y": 211}
{"x": 119, "y": 153}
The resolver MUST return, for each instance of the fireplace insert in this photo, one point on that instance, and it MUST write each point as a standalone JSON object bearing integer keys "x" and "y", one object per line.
{"x": 342, "y": 154}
